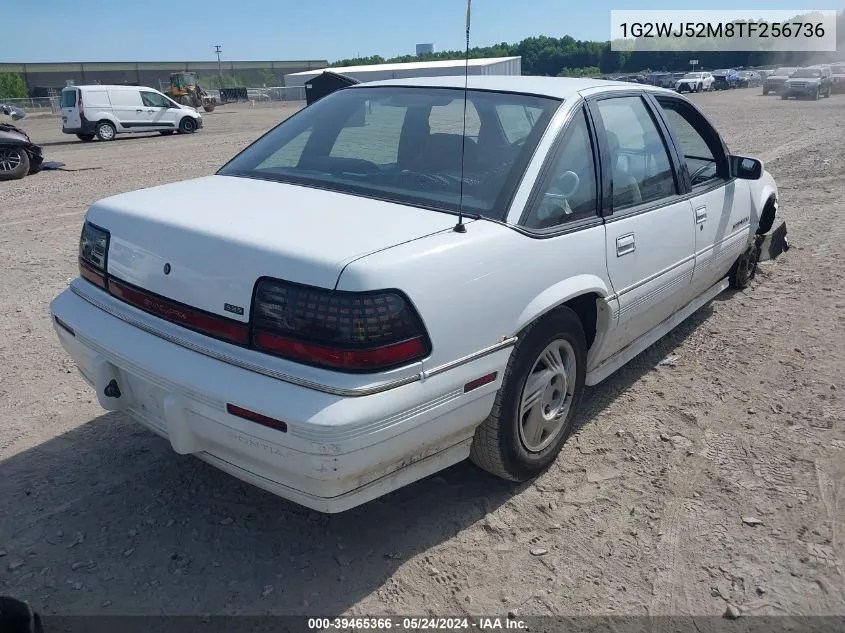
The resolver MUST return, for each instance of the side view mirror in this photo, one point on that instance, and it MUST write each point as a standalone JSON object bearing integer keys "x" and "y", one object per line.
{"x": 746, "y": 168}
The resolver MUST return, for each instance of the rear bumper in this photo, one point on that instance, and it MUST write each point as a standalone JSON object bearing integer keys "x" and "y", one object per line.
{"x": 86, "y": 127}
{"x": 338, "y": 452}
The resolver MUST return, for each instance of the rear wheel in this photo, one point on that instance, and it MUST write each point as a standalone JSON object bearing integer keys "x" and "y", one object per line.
{"x": 106, "y": 131}
{"x": 85, "y": 138}
{"x": 209, "y": 107}
{"x": 14, "y": 163}
{"x": 533, "y": 411}
{"x": 765, "y": 91}
{"x": 187, "y": 125}
{"x": 784, "y": 96}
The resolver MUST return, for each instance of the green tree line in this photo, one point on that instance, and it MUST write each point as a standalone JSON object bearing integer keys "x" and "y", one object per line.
{"x": 567, "y": 56}
{"x": 12, "y": 86}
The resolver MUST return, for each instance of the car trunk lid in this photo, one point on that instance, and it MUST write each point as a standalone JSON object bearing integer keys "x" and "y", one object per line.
{"x": 205, "y": 242}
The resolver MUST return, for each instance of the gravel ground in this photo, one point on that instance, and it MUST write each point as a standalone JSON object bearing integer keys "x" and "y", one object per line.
{"x": 643, "y": 512}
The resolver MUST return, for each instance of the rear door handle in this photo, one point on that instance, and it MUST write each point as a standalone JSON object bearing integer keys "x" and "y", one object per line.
{"x": 700, "y": 215}
{"x": 625, "y": 244}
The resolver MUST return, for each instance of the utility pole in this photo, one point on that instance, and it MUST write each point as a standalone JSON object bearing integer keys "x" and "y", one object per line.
{"x": 218, "y": 50}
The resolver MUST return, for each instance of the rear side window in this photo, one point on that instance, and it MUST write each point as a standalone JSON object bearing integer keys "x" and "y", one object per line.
{"x": 68, "y": 98}
{"x": 568, "y": 191}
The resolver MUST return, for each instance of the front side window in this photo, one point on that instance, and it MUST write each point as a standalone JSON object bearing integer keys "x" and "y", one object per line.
{"x": 640, "y": 168}
{"x": 405, "y": 144}
{"x": 568, "y": 190}
{"x": 696, "y": 140}
{"x": 154, "y": 100}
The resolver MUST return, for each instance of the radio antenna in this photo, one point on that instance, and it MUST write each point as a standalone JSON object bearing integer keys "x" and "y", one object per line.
{"x": 459, "y": 227}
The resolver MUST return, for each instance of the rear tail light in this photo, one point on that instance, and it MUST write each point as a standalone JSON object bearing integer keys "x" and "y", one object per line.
{"x": 350, "y": 331}
{"x": 93, "y": 254}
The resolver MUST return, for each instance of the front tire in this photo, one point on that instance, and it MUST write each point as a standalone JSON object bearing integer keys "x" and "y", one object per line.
{"x": 541, "y": 390}
{"x": 14, "y": 163}
{"x": 765, "y": 91}
{"x": 106, "y": 131}
{"x": 744, "y": 268}
{"x": 187, "y": 125}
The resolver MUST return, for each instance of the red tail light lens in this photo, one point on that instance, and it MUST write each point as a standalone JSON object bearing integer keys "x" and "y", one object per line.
{"x": 336, "y": 329}
{"x": 93, "y": 254}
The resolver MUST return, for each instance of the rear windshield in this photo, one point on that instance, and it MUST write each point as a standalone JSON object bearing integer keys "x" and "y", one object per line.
{"x": 406, "y": 145}
{"x": 68, "y": 98}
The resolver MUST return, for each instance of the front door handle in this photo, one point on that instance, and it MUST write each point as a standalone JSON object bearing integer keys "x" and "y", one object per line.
{"x": 625, "y": 244}
{"x": 139, "y": 110}
{"x": 700, "y": 215}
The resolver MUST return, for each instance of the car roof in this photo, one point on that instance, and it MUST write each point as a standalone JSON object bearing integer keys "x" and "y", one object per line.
{"x": 555, "y": 87}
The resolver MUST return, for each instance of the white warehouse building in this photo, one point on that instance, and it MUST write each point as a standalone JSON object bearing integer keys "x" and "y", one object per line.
{"x": 377, "y": 72}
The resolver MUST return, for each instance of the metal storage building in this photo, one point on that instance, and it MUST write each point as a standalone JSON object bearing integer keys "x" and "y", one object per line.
{"x": 376, "y": 72}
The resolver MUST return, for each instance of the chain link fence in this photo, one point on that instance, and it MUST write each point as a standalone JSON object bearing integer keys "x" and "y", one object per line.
{"x": 37, "y": 105}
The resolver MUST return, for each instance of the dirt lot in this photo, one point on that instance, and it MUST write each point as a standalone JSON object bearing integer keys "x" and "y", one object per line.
{"x": 642, "y": 513}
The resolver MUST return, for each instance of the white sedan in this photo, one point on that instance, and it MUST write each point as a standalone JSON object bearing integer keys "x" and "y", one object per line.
{"x": 367, "y": 294}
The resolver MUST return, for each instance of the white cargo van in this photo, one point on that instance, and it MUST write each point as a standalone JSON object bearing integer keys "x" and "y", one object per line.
{"x": 106, "y": 111}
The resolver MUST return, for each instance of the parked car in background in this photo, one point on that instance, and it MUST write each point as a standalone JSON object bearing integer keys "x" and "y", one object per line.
{"x": 19, "y": 156}
{"x": 103, "y": 112}
{"x": 813, "y": 82}
{"x": 775, "y": 81}
{"x": 725, "y": 79}
{"x": 695, "y": 82}
{"x": 765, "y": 72}
{"x": 331, "y": 371}
{"x": 837, "y": 77}
{"x": 749, "y": 79}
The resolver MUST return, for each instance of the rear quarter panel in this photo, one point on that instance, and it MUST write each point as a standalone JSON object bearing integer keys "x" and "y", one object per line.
{"x": 472, "y": 289}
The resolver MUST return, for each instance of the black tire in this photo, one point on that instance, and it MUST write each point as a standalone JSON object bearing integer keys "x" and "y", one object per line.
{"x": 700, "y": 88}
{"x": 187, "y": 125}
{"x": 106, "y": 131}
{"x": 765, "y": 91}
{"x": 85, "y": 138}
{"x": 14, "y": 163}
{"x": 744, "y": 268}
{"x": 784, "y": 96}
{"x": 498, "y": 446}
{"x": 167, "y": 132}
{"x": 817, "y": 94}
{"x": 35, "y": 167}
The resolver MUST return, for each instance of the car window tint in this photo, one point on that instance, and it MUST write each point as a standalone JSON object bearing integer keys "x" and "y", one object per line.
{"x": 517, "y": 121}
{"x": 153, "y": 100}
{"x": 372, "y": 134}
{"x": 402, "y": 144}
{"x": 568, "y": 190}
{"x": 68, "y": 98}
{"x": 449, "y": 119}
{"x": 289, "y": 154}
{"x": 640, "y": 167}
{"x": 700, "y": 158}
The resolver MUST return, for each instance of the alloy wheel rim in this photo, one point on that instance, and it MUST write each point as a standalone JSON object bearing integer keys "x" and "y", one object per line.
{"x": 547, "y": 396}
{"x": 10, "y": 160}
